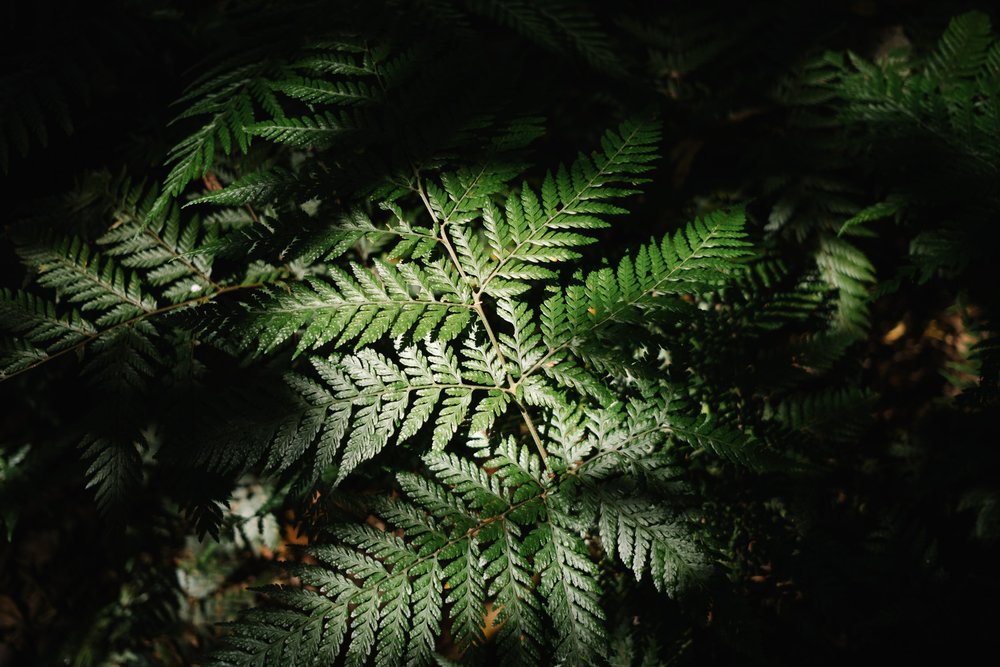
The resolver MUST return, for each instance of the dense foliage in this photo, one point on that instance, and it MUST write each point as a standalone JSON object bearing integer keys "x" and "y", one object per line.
{"x": 486, "y": 331}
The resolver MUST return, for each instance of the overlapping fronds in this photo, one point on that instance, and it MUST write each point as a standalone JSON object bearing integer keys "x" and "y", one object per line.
{"x": 462, "y": 539}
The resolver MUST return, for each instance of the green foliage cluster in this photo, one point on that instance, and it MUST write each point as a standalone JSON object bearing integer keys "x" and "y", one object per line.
{"x": 510, "y": 432}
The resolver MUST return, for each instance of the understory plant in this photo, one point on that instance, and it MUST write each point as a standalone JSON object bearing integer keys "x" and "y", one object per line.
{"x": 518, "y": 404}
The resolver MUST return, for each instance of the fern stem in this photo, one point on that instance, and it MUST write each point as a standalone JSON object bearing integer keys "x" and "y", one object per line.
{"x": 534, "y": 433}
{"x": 253, "y": 214}
{"x": 511, "y": 384}
{"x": 442, "y": 224}
{"x": 478, "y": 307}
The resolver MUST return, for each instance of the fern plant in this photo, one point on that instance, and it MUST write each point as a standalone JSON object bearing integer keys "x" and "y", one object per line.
{"x": 451, "y": 320}
{"x": 533, "y": 437}
{"x": 502, "y": 432}
{"x": 470, "y": 341}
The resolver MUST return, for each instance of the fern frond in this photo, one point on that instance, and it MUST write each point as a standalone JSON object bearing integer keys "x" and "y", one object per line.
{"x": 837, "y": 415}
{"x": 309, "y": 624}
{"x": 569, "y": 582}
{"x": 37, "y": 322}
{"x": 242, "y": 102}
{"x": 718, "y": 437}
{"x": 115, "y": 469}
{"x": 884, "y": 209}
{"x": 361, "y": 307}
{"x": 620, "y": 437}
{"x": 80, "y": 275}
{"x": 340, "y": 55}
{"x": 646, "y": 536}
{"x": 578, "y": 26}
{"x": 317, "y": 131}
{"x": 227, "y": 104}
{"x": 125, "y": 357}
{"x": 17, "y": 356}
{"x": 850, "y": 272}
{"x": 769, "y": 300}
{"x": 503, "y": 532}
{"x": 482, "y": 532}
{"x": 386, "y": 594}
{"x": 704, "y": 256}
{"x": 254, "y": 188}
{"x": 962, "y": 49}
{"x": 509, "y": 573}
{"x": 321, "y": 91}
{"x": 365, "y": 402}
{"x": 524, "y": 348}
{"x": 536, "y": 230}
{"x": 175, "y": 256}
{"x": 112, "y": 314}
{"x": 32, "y": 103}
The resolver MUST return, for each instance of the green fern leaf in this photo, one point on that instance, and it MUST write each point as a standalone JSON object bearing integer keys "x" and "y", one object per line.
{"x": 535, "y": 231}
{"x": 321, "y": 91}
{"x": 569, "y": 582}
{"x": 115, "y": 469}
{"x": 850, "y": 272}
{"x": 318, "y": 130}
{"x": 362, "y": 307}
{"x": 962, "y": 49}
{"x": 645, "y": 536}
